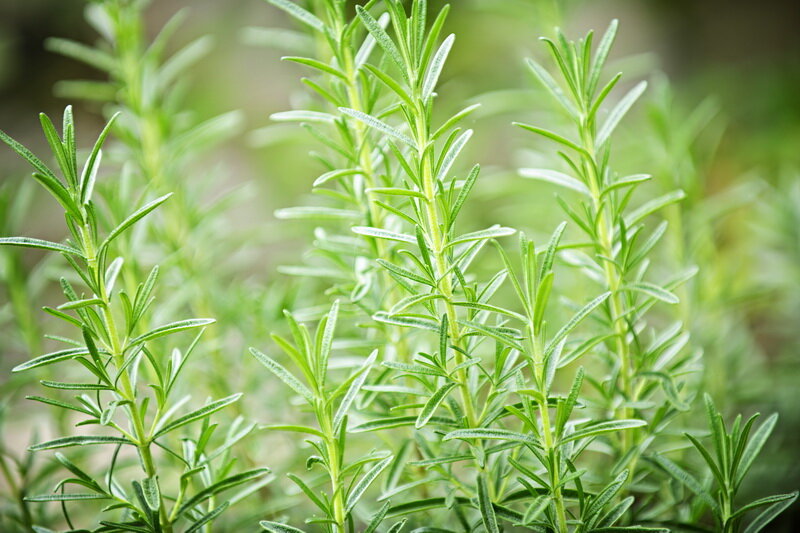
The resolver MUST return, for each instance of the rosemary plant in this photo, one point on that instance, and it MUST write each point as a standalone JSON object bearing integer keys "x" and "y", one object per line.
{"x": 119, "y": 362}
{"x": 731, "y": 457}
{"x": 161, "y": 143}
{"x": 648, "y": 374}
{"x": 330, "y": 402}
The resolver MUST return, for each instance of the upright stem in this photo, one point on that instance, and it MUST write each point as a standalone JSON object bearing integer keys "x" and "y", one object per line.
{"x": 117, "y": 349}
{"x": 551, "y": 450}
{"x": 334, "y": 460}
{"x": 612, "y": 279}
{"x": 438, "y": 243}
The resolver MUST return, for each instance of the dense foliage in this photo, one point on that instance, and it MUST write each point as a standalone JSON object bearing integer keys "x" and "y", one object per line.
{"x": 438, "y": 369}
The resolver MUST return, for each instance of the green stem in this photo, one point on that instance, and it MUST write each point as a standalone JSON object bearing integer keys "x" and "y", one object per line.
{"x": 334, "y": 460}
{"x": 438, "y": 243}
{"x": 117, "y": 349}
{"x": 551, "y": 449}
{"x": 613, "y": 280}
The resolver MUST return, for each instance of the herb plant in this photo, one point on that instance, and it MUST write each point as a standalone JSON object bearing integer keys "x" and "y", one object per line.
{"x": 119, "y": 362}
{"x": 436, "y": 372}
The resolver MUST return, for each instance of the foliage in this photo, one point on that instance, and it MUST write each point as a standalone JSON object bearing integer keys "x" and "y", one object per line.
{"x": 439, "y": 369}
{"x": 109, "y": 347}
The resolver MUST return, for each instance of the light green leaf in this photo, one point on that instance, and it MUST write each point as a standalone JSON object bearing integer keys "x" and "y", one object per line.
{"x": 652, "y": 290}
{"x": 68, "y": 442}
{"x": 28, "y": 242}
{"x": 491, "y": 433}
{"x": 557, "y": 178}
{"x": 198, "y": 414}
{"x": 379, "y": 125}
{"x": 364, "y": 483}
{"x": 482, "y": 235}
{"x": 618, "y": 112}
{"x": 296, "y": 11}
{"x": 169, "y": 329}
{"x": 599, "y": 428}
{"x": 384, "y": 234}
{"x": 283, "y": 374}
{"x": 317, "y": 213}
{"x": 432, "y": 404}
{"x": 436, "y": 65}
{"x": 485, "y": 506}
{"x": 133, "y": 218}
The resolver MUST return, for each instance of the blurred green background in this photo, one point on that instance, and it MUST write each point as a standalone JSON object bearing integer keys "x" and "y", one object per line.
{"x": 725, "y": 127}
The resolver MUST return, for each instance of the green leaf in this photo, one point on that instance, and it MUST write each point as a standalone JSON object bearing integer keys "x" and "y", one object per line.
{"x": 435, "y": 67}
{"x": 66, "y": 497}
{"x": 28, "y": 242}
{"x": 485, "y": 506}
{"x": 777, "y": 498}
{"x": 317, "y": 213}
{"x": 169, "y": 329}
{"x": 384, "y": 41}
{"x": 463, "y": 194}
{"x": 552, "y": 136}
{"x": 276, "y": 527}
{"x": 283, "y": 374}
{"x": 379, "y": 125}
{"x": 364, "y": 483}
{"x": 618, "y": 112}
{"x": 451, "y": 155}
{"x": 407, "y": 320}
{"x": 335, "y": 175}
{"x": 318, "y": 65}
{"x": 94, "y": 57}
{"x": 152, "y": 494}
{"x": 685, "y": 478}
{"x": 396, "y": 422}
{"x": 90, "y": 168}
{"x": 68, "y": 442}
{"x": 482, "y": 235}
{"x": 627, "y": 181}
{"x": 383, "y": 234}
{"x": 600, "y": 55}
{"x": 768, "y": 515}
{"x": 754, "y": 445}
{"x": 557, "y": 178}
{"x": 639, "y": 214}
{"x": 50, "y": 358}
{"x": 549, "y": 83}
{"x": 133, "y": 218}
{"x": 652, "y": 290}
{"x": 402, "y": 272}
{"x": 295, "y": 428}
{"x": 352, "y": 392}
{"x": 299, "y": 13}
{"x": 599, "y": 428}
{"x": 198, "y": 414}
{"x": 393, "y": 85}
{"x": 491, "y": 433}
{"x": 432, "y": 404}
{"x": 222, "y": 485}
{"x": 575, "y": 320}
{"x": 27, "y": 155}
{"x": 59, "y": 192}
{"x": 303, "y": 116}
{"x": 79, "y": 304}
{"x": 207, "y": 518}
